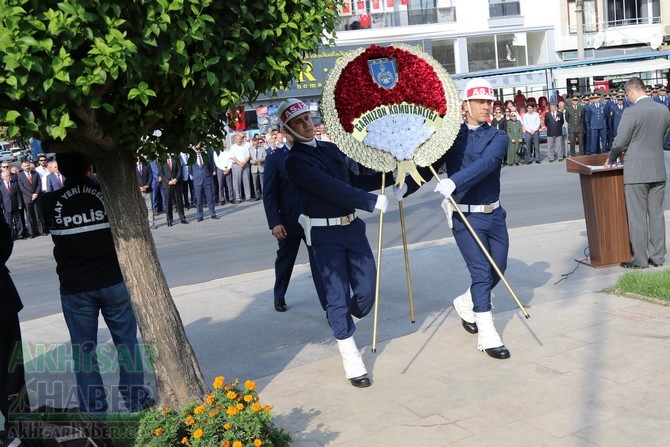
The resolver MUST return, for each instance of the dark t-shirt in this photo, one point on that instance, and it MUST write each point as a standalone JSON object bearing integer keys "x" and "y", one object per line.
{"x": 83, "y": 245}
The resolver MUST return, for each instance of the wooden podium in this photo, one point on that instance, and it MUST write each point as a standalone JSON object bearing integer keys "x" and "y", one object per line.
{"x": 604, "y": 210}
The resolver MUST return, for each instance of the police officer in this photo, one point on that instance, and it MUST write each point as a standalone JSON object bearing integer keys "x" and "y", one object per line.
{"x": 473, "y": 164}
{"x": 330, "y": 192}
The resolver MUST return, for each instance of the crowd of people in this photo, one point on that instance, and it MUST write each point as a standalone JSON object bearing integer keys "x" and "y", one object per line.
{"x": 583, "y": 124}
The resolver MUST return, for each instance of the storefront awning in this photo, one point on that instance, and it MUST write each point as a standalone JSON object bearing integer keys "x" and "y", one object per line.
{"x": 611, "y": 69}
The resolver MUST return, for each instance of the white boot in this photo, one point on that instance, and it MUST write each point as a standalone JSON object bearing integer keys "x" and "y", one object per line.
{"x": 488, "y": 339}
{"x": 463, "y": 307}
{"x": 354, "y": 369}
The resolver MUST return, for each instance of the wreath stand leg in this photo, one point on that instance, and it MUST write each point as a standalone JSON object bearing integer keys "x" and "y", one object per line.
{"x": 379, "y": 269}
{"x": 407, "y": 274}
{"x": 484, "y": 250}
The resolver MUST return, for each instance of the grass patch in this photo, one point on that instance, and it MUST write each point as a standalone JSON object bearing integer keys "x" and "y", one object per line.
{"x": 644, "y": 284}
{"x": 123, "y": 427}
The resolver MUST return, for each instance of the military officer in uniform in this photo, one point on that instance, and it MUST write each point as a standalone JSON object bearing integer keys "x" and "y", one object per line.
{"x": 330, "y": 192}
{"x": 597, "y": 126}
{"x": 574, "y": 115}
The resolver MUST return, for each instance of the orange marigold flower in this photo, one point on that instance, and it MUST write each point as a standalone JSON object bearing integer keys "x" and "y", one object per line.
{"x": 212, "y": 413}
{"x": 226, "y": 426}
{"x": 237, "y": 444}
{"x": 267, "y": 408}
{"x": 248, "y": 398}
{"x": 219, "y": 406}
{"x": 225, "y": 444}
{"x": 211, "y": 399}
{"x": 256, "y": 407}
{"x": 166, "y": 410}
{"x": 218, "y": 382}
{"x": 258, "y": 442}
{"x": 200, "y": 409}
{"x": 184, "y": 440}
{"x": 232, "y": 411}
{"x": 240, "y": 406}
{"x": 231, "y": 394}
{"x": 190, "y": 420}
{"x": 159, "y": 431}
{"x": 250, "y": 385}
{"x": 197, "y": 434}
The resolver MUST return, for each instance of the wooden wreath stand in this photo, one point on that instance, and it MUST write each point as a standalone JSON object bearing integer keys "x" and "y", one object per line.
{"x": 604, "y": 210}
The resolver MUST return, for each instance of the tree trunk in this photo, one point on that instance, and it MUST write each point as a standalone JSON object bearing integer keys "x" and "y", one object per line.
{"x": 178, "y": 376}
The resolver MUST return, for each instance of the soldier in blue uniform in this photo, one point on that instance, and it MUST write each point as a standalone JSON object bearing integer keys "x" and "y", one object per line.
{"x": 597, "y": 126}
{"x": 330, "y": 191}
{"x": 662, "y": 96}
{"x": 473, "y": 164}
{"x": 613, "y": 118}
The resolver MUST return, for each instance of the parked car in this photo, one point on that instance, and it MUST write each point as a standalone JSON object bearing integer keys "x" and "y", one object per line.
{"x": 7, "y": 156}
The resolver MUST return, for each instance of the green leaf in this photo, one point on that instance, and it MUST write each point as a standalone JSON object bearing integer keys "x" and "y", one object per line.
{"x": 11, "y": 115}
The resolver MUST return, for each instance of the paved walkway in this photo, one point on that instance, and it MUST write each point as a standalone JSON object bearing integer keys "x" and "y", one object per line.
{"x": 587, "y": 369}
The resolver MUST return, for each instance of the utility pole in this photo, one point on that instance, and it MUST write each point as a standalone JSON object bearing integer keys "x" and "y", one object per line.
{"x": 579, "y": 12}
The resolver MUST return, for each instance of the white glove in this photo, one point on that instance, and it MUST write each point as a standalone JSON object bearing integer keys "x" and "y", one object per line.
{"x": 399, "y": 192}
{"x": 448, "y": 210}
{"x": 446, "y": 187}
{"x": 382, "y": 203}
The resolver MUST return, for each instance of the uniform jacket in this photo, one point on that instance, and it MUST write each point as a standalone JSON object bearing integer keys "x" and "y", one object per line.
{"x": 83, "y": 246}
{"x": 575, "y": 118}
{"x": 326, "y": 183}
{"x": 280, "y": 199}
{"x": 595, "y": 116}
{"x": 642, "y": 131}
{"x": 10, "y": 302}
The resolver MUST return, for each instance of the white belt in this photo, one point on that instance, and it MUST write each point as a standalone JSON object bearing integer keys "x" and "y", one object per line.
{"x": 332, "y": 221}
{"x": 479, "y": 208}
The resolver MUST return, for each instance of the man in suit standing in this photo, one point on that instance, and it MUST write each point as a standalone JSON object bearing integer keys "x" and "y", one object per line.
{"x": 203, "y": 181}
{"x": 642, "y": 131}
{"x": 170, "y": 173}
{"x": 30, "y": 187}
{"x": 257, "y": 163}
{"x": 554, "y": 122}
{"x": 55, "y": 179}
{"x": 11, "y": 204}
{"x": 282, "y": 209}
{"x": 144, "y": 179}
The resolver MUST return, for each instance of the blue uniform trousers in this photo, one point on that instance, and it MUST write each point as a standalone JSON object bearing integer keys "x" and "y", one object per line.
{"x": 287, "y": 252}
{"x": 597, "y": 141}
{"x": 345, "y": 263}
{"x": 492, "y": 231}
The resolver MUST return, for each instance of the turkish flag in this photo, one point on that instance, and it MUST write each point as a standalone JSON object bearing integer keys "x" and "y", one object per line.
{"x": 365, "y": 20}
{"x": 346, "y": 7}
{"x": 375, "y": 6}
{"x": 404, "y": 2}
{"x": 389, "y": 3}
{"x": 360, "y": 7}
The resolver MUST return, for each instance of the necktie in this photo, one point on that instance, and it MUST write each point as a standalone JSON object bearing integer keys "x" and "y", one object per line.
{"x": 30, "y": 177}
{"x": 60, "y": 181}
{"x": 554, "y": 115}
{"x": 199, "y": 160}
{"x": 9, "y": 189}
{"x": 170, "y": 163}
{"x": 139, "y": 168}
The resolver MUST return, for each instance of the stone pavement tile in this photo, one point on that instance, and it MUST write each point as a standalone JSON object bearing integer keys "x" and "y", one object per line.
{"x": 640, "y": 393}
{"x": 630, "y": 366}
{"x": 510, "y": 435}
{"x": 630, "y": 430}
{"x": 433, "y": 431}
{"x": 568, "y": 420}
{"x": 570, "y": 441}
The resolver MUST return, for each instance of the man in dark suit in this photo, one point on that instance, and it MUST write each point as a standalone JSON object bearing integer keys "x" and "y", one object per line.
{"x": 55, "y": 180}
{"x": 642, "y": 131}
{"x": 170, "y": 173}
{"x": 11, "y": 203}
{"x": 13, "y": 398}
{"x": 554, "y": 121}
{"x": 144, "y": 178}
{"x": 30, "y": 187}
{"x": 282, "y": 208}
{"x": 203, "y": 183}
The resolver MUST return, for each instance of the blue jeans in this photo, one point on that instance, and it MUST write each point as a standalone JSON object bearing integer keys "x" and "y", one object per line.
{"x": 532, "y": 141}
{"x": 81, "y": 316}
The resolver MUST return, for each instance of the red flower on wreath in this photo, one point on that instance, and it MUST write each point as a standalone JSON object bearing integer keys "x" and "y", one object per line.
{"x": 356, "y": 92}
